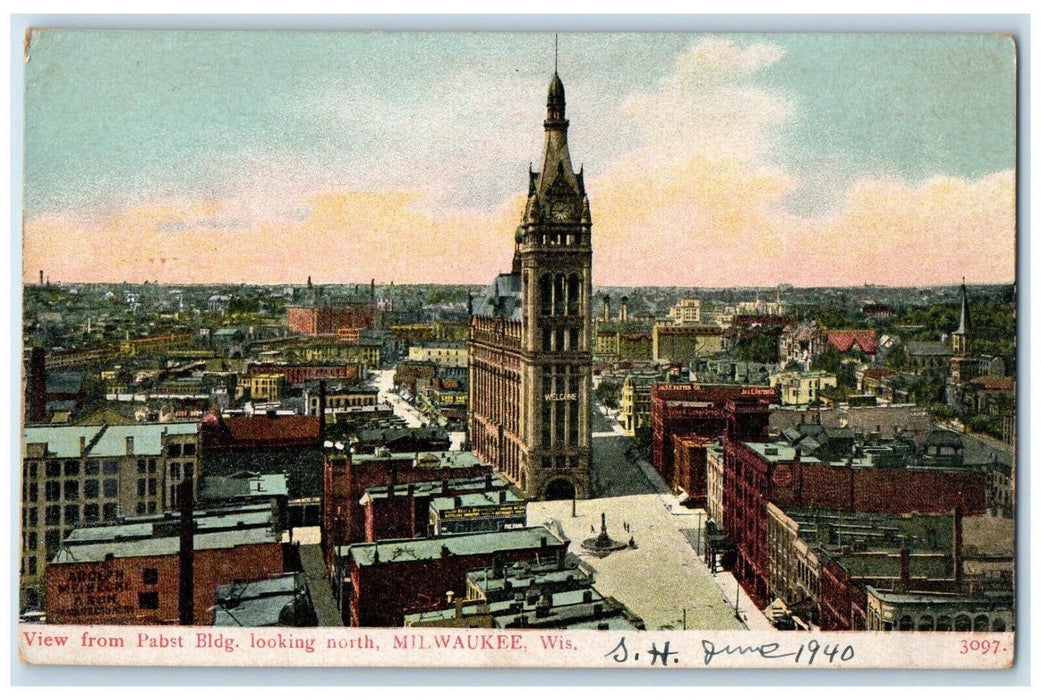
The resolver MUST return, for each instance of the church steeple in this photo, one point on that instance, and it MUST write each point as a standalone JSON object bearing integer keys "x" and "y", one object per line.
{"x": 962, "y": 338}
{"x": 964, "y": 327}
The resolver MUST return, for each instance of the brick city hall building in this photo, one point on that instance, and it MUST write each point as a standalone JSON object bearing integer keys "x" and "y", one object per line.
{"x": 531, "y": 332}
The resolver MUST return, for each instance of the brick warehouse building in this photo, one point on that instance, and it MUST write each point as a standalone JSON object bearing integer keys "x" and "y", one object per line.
{"x": 692, "y": 409}
{"x": 828, "y": 468}
{"x": 74, "y": 475}
{"x": 128, "y": 573}
{"x": 327, "y": 320}
{"x": 383, "y": 581}
{"x": 530, "y": 341}
{"x": 347, "y": 477}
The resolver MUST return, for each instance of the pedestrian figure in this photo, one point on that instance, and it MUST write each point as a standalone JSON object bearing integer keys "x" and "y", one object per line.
{"x": 592, "y": 529}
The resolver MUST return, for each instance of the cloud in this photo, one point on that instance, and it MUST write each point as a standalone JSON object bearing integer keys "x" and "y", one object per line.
{"x": 697, "y": 201}
{"x": 710, "y": 106}
{"x": 692, "y": 195}
{"x": 344, "y": 236}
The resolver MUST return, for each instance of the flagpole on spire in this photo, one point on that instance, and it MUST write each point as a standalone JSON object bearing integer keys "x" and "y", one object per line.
{"x": 556, "y": 44}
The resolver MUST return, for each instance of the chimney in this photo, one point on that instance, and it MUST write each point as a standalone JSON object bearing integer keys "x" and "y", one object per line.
{"x": 958, "y": 565}
{"x": 41, "y": 278}
{"x": 598, "y": 610}
{"x": 410, "y": 490}
{"x": 607, "y": 308}
{"x": 487, "y": 482}
{"x": 623, "y": 309}
{"x": 186, "y": 554}
{"x": 905, "y": 570}
{"x": 83, "y": 445}
{"x": 37, "y": 385}
{"x": 321, "y": 412}
{"x": 130, "y": 445}
{"x": 543, "y": 606}
{"x": 502, "y": 496}
{"x": 587, "y": 596}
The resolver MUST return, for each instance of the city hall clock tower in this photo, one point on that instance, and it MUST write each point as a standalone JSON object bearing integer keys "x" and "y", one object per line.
{"x": 554, "y": 257}
{"x": 531, "y": 334}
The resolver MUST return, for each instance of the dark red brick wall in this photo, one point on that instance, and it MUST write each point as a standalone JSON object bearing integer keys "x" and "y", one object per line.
{"x": 114, "y": 600}
{"x": 383, "y": 594}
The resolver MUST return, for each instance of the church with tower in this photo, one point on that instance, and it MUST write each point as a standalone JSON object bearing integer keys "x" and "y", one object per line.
{"x": 531, "y": 334}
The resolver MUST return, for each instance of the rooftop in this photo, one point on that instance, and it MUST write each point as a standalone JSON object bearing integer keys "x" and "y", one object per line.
{"x": 72, "y": 553}
{"x": 481, "y": 499}
{"x": 242, "y": 485}
{"x": 455, "y": 459}
{"x": 106, "y": 440}
{"x": 261, "y": 603}
{"x": 449, "y": 545}
{"x": 429, "y": 488}
{"x": 502, "y": 298}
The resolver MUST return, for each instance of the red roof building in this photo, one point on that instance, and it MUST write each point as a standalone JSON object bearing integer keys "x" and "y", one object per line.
{"x": 847, "y": 341}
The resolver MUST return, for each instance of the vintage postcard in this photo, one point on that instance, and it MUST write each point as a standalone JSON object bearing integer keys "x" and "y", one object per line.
{"x": 685, "y": 351}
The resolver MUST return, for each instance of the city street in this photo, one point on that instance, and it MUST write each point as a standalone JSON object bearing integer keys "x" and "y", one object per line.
{"x": 383, "y": 379}
{"x": 663, "y": 580}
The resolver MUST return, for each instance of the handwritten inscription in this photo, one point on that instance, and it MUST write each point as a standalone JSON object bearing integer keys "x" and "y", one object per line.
{"x": 663, "y": 656}
{"x": 806, "y": 653}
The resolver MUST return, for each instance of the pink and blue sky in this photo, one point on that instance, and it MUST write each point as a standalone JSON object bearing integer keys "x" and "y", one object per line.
{"x": 710, "y": 160}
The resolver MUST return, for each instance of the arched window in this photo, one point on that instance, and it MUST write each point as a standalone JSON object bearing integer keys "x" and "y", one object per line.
{"x": 925, "y": 623}
{"x": 559, "y": 293}
{"x": 943, "y": 624}
{"x": 546, "y": 294}
{"x": 997, "y": 625}
{"x": 981, "y": 623}
{"x": 906, "y": 624}
{"x": 962, "y": 623}
{"x": 573, "y": 295}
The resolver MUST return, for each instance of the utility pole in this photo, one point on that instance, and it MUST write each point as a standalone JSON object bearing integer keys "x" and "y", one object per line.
{"x": 737, "y": 598}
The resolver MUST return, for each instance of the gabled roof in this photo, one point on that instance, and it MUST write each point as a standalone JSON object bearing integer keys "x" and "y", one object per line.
{"x": 845, "y": 341}
{"x": 502, "y": 298}
{"x": 994, "y": 383}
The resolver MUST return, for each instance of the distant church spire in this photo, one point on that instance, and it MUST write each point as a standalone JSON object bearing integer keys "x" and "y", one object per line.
{"x": 962, "y": 338}
{"x": 965, "y": 326}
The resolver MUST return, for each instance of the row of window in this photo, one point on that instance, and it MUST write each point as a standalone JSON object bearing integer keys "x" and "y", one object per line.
{"x": 54, "y": 490}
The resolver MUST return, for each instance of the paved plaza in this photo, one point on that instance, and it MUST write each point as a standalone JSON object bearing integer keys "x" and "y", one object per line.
{"x": 662, "y": 580}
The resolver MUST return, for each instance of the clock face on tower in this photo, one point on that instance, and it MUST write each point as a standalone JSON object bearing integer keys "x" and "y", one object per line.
{"x": 560, "y": 211}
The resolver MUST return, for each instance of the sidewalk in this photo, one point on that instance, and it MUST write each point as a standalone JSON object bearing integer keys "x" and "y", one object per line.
{"x": 753, "y": 618}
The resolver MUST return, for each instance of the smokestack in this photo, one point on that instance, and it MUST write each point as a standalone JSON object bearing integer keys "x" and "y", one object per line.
{"x": 186, "y": 589}
{"x": 321, "y": 412}
{"x": 905, "y": 570}
{"x": 957, "y": 548}
{"x": 607, "y": 308}
{"x": 37, "y": 385}
{"x": 41, "y": 278}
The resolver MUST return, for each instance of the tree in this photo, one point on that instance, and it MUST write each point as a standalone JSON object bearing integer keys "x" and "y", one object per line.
{"x": 608, "y": 393}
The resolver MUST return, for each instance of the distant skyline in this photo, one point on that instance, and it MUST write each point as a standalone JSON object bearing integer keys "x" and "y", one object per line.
{"x": 711, "y": 160}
